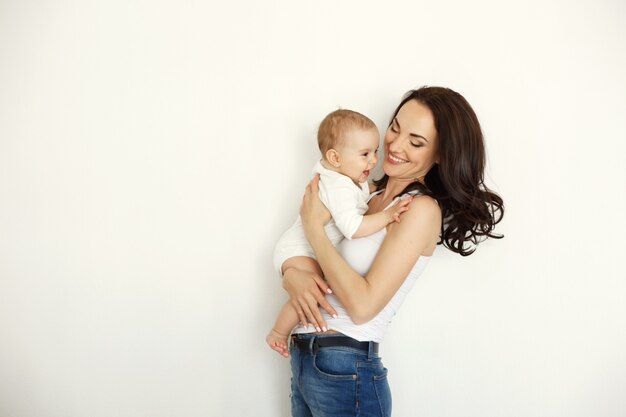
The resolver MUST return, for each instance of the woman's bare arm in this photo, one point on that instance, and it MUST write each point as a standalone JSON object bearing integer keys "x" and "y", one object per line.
{"x": 364, "y": 297}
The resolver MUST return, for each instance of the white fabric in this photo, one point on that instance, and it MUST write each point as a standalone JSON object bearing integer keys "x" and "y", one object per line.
{"x": 346, "y": 201}
{"x": 359, "y": 254}
{"x": 347, "y": 204}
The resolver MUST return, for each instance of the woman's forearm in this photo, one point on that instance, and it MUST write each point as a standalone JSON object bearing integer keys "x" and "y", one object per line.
{"x": 351, "y": 288}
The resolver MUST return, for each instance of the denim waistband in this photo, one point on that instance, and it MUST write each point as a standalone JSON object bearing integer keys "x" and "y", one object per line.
{"x": 312, "y": 343}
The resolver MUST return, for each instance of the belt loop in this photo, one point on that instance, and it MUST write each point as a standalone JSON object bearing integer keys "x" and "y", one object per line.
{"x": 313, "y": 345}
{"x": 370, "y": 350}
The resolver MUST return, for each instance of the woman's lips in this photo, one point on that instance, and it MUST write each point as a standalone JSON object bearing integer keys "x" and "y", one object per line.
{"x": 395, "y": 160}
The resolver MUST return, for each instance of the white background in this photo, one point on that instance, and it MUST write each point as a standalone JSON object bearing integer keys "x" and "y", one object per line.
{"x": 151, "y": 153}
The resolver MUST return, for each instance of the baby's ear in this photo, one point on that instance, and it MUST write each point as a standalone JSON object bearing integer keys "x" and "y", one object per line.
{"x": 332, "y": 156}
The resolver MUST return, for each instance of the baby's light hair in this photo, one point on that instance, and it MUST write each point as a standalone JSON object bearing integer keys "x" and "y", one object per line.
{"x": 336, "y": 124}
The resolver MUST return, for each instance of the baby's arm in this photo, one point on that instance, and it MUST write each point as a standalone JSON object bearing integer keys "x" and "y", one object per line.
{"x": 372, "y": 223}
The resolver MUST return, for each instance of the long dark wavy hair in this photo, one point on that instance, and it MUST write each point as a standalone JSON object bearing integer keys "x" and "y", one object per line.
{"x": 470, "y": 211}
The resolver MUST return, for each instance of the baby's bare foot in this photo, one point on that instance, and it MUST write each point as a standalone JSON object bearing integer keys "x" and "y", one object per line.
{"x": 278, "y": 342}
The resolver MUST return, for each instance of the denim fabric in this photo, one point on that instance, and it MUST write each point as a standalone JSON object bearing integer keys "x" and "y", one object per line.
{"x": 338, "y": 382}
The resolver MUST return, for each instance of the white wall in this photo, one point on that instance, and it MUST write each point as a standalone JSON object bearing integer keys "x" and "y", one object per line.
{"x": 151, "y": 152}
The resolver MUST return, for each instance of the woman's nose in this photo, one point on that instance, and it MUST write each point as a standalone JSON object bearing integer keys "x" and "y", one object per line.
{"x": 395, "y": 145}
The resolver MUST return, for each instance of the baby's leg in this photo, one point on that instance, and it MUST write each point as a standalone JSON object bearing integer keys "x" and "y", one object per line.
{"x": 285, "y": 322}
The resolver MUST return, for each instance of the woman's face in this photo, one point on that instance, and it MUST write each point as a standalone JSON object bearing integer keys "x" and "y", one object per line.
{"x": 411, "y": 143}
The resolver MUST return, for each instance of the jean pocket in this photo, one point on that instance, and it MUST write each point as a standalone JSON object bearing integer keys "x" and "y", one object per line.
{"x": 373, "y": 368}
{"x": 380, "y": 374}
{"x": 383, "y": 393}
{"x": 335, "y": 365}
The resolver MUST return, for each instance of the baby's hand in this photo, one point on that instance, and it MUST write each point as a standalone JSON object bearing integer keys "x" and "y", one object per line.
{"x": 393, "y": 212}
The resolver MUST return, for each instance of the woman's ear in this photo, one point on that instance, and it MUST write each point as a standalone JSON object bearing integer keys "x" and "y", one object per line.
{"x": 332, "y": 156}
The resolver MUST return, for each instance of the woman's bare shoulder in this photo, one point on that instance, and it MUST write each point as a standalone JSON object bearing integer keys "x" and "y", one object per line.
{"x": 422, "y": 222}
{"x": 424, "y": 206}
{"x": 415, "y": 235}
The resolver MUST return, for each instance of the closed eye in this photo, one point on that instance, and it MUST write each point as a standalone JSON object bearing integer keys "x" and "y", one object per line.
{"x": 395, "y": 128}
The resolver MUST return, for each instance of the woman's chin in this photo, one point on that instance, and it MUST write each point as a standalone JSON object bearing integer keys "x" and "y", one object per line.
{"x": 389, "y": 169}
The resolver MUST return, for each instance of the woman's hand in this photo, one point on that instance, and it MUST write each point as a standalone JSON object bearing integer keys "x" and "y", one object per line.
{"x": 313, "y": 212}
{"x": 306, "y": 291}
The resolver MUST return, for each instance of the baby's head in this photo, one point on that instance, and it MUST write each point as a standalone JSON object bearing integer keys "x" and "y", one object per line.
{"x": 348, "y": 142}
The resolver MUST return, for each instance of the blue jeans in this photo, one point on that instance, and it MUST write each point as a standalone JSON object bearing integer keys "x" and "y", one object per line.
{"x": 338, "y": 382}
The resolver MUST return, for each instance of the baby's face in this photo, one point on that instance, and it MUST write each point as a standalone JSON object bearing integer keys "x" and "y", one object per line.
{"x": 358, "y": 153}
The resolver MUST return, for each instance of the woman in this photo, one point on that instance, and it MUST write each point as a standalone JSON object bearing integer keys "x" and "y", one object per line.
{"x": 434, "y": 154}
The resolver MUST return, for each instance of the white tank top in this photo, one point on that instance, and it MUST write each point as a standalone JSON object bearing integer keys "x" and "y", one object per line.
{"x": 359, "y": 253}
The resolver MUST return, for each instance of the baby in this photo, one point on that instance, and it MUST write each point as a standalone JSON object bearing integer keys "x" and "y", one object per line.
{"x": 348, "y": 142}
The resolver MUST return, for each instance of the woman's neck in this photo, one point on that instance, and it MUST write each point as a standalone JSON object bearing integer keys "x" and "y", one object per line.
{"x": 394, "y": 187}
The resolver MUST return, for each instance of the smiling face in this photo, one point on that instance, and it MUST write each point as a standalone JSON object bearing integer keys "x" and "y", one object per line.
{"x": 356, "y": 153}
{"x": 411, "y": 143}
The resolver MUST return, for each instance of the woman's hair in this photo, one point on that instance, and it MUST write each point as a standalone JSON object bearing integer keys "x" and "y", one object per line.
{"x": 470, "y": 210}
{"x": 336, "y": 124}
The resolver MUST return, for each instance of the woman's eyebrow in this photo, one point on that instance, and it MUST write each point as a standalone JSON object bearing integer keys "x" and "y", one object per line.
{"x": 415, "y": 135}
